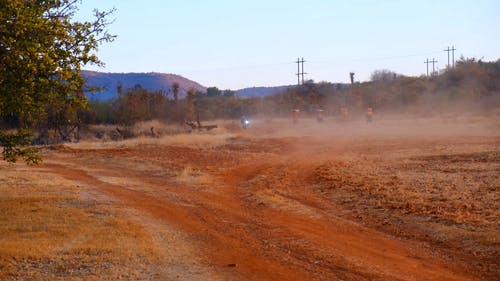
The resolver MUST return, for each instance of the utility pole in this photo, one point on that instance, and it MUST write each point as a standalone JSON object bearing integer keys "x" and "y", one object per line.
{"x": 448, "y": 51}
{"x": 427, "y": 62}
{"x": 302, "y": 61}
{"x": 299, "y": 73}
{"x": 433, "y": 71}
{"x": 453, "y": 55}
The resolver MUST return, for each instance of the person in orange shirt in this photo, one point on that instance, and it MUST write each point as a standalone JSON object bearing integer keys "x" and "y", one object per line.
{"x": 319, "y": 115}
{"x": 369, "y": 115}
{"x": 295, "y": 115}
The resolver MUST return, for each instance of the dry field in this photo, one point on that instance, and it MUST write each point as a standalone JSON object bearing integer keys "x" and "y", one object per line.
{"x": 393, "y": 200}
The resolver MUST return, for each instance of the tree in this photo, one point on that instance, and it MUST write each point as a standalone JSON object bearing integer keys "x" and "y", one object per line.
{"x": 384, "y": 75}
{"x": 134, "y": 106}
{"x": 191, "y": 105}
{"x": 213, "y": 92}
{"x": 41, "y": 53}
{"x": 175, "y": 90}
{"x": 228, "y": 93}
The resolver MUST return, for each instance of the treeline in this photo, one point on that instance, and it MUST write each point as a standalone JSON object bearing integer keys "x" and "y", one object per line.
{"x": 471, "y": 84}
{"x": 139, "y": 104}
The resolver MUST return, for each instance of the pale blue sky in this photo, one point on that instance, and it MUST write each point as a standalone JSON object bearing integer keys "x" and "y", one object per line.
{"x": 235, "y": 44}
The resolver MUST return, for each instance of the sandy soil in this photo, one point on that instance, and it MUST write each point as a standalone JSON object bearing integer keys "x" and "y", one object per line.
{"x": 391, "y": 200}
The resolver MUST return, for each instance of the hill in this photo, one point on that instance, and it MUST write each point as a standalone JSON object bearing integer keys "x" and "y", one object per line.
{"x": 151, "y": 81}
{"x": 261, "y": 91}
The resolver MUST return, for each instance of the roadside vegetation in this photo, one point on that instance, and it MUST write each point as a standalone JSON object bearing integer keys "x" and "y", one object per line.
{"x": 472, "y": 87}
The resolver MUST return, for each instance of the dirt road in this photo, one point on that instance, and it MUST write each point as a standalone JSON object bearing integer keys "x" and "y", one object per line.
{"x": 340, "y": 206}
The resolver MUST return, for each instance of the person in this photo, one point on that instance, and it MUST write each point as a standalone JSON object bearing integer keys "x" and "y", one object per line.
{"x": 369, "y": 115}
{"x": 295, "y": 115}
{"x": 244, "y": 122}
{"x": 319, "y": 115}
{"x": 344, "y": 113}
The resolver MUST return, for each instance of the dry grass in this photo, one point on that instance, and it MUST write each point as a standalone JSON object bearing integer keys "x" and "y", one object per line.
{"x": 194, "y": 177}
{"x": 106, "y": 133}
{"x": 160, "y": 128}
{"x": 165, "y": 134}
{"x": 451, "y": 199}
{"x": 141, "y": 133}
{"x": 200, "y": 140}
{"x": 51, "y": 228}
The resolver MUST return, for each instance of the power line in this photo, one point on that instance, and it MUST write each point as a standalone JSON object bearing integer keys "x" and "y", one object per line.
{"x": 301, "y": 61}
{"x": 319, "y": 61}
{"x": 366, "y": 59}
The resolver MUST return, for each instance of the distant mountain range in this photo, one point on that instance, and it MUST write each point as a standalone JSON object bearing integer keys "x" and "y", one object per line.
{"x": 261, "y": 91}
{"x": 154, "y": 81}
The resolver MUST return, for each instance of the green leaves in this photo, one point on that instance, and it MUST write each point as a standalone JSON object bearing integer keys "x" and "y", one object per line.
{"x": 41, "y": 53}
{"x": 17, "y": 145}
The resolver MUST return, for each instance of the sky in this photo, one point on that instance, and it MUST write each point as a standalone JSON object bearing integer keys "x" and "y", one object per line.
{"x": 235, "y": 44}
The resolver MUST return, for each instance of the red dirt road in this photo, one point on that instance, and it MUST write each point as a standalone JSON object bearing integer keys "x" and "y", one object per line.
{"x": 309, "y": 208}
